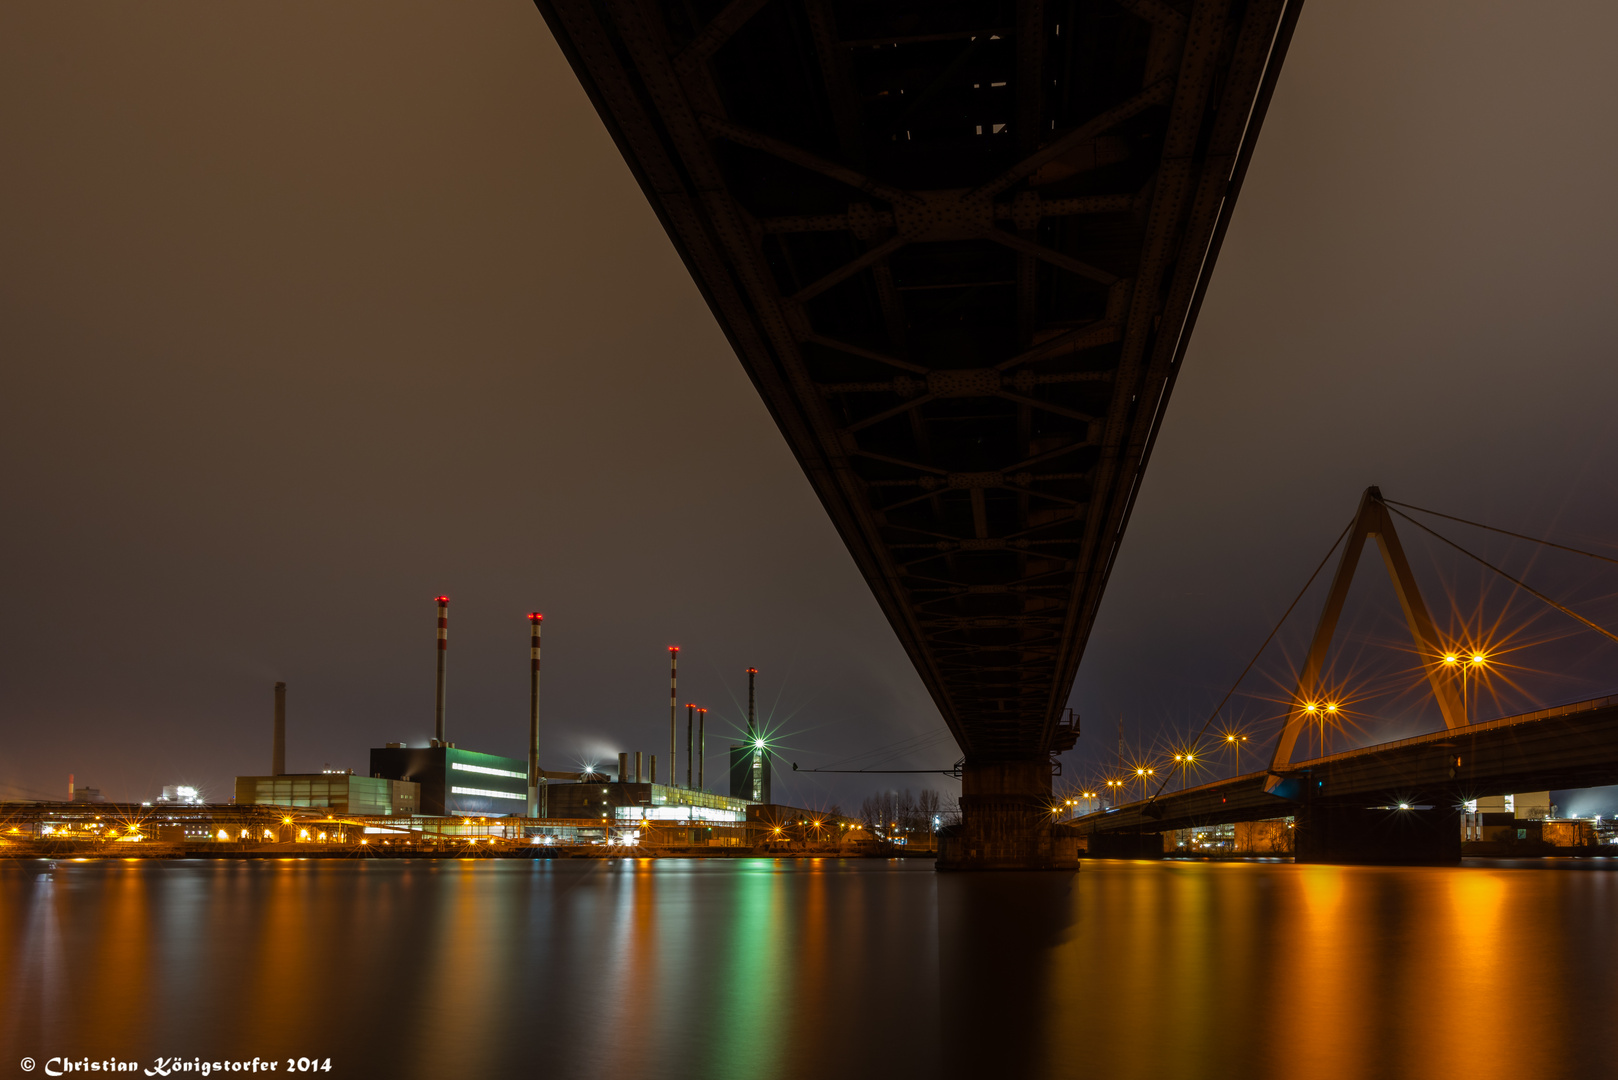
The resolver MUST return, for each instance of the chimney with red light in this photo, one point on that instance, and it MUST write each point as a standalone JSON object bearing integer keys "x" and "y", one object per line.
{"x": 534, "y": 620}
{"x": 443, "y": 652}
{"x": 752, "y": 719}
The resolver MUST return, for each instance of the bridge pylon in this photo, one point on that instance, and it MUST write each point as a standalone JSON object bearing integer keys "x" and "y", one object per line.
{"x": 1373, "y": 521}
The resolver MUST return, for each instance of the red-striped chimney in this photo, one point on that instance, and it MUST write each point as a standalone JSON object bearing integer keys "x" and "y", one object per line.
{"x": 534, "y": 621}
{"x": 443, "y": 653}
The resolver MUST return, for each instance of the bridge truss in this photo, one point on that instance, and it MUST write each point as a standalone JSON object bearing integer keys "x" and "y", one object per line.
{"x": 959, "y": 246}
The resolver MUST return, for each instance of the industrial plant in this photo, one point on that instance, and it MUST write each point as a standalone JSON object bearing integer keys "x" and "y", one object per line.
{"x": 442, "y": 797}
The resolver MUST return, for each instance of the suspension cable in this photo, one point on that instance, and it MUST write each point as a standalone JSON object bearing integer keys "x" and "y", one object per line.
{"x": 1196, "y": 742}
{"x": 1503, "y": 532}
{"x": 888, "y": 751}
{"x": 1520, "y": 584}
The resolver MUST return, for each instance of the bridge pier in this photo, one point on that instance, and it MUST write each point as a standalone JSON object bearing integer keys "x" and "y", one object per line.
{"x": 1326, "y": 833}
{"x": 1006, "y": 820}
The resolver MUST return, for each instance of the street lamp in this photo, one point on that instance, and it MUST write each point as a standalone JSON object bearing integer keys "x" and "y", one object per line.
{"x": 1318, "y": 712}
{"x": 1311, "y": 709}
{"x": 1477, "y": 658}
{"x": 1234, "y": 742}
{"x": 1184, "y": 762}
{"x": 1143, "y": 773}
{"x": 1474, "y": 662}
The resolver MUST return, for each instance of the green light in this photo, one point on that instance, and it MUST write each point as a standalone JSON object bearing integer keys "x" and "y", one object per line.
{"x": 758, "y": 743}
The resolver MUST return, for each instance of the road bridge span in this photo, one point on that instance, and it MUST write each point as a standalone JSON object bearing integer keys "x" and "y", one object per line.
{"x": 1348, "y": 805}
{"x": 959, "y": 248}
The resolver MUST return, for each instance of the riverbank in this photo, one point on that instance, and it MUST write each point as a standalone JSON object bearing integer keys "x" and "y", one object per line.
{"x": 81, "y": 851}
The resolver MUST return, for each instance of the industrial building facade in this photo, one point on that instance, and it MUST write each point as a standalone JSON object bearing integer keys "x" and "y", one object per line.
{"x": 750, "y": 773}
{"x": 627, "y": 803}
{"x": 457, "y": 782}
{"x": 342, "y": 793}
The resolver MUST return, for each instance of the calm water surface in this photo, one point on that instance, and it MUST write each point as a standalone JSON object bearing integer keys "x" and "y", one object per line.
{"x": 786, "y": 968}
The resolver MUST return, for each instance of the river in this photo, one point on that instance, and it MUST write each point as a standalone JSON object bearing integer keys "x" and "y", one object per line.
{"x": 765, "y": 968}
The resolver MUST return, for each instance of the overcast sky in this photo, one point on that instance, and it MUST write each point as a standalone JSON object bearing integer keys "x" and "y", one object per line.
{"x": 312, "y": 311}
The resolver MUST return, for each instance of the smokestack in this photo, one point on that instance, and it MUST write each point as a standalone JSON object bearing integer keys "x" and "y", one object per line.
{"x": 623, "y": 767}
{"x": 653, "y": 777}
{"x": 534, "y": 621}
{"x": 752, "y": 719}
{"x": 443, "y": 652}
{"x": 278, "y": 749}
{"x": 690, "y": 713}
{"x": 69, "y": 787}
{"x": 674, "y": 760}
{"x": 637, "y": 766}
{"x": 702, "y": 746}
{"x": 756, "y": 771}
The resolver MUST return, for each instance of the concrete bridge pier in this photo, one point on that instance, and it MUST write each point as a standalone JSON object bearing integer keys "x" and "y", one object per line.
{"x": 1326, "y": 833}
{"x": 1006, "y": 820}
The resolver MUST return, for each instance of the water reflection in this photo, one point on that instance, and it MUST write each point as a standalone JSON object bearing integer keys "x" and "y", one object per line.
{"x": 767, "y": 968}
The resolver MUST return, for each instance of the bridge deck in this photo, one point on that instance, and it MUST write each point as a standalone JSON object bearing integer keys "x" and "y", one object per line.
{"x": 1565, "y": 747}
{"x": 959, "y": 248}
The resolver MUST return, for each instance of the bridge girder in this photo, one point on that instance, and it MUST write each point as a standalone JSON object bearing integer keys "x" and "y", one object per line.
{"x": 959, "y": 248}
{"x": 1570, "y": 746}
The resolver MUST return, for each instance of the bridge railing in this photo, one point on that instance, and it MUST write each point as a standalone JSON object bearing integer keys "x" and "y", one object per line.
{"x": 1436, "y": 736}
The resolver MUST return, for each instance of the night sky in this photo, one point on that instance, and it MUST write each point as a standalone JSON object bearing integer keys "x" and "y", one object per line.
{"x": 312, "y": 311}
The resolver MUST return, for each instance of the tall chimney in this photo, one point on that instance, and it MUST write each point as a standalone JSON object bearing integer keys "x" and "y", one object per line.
{"x": 756, "y": 771}
{"x": 534, "y": 621}
{"x": 69, "y": 787}
{"x": 674, "y": 759}
{"x": 443, "y": 652}
{"x": 623, "y": 767}
{"x": 690, "y": 712}
{"x": 278, "y": 749}
{"x": 752, "y": 720}
{"x": 653, "y": 777}
{"x": 702, "y": 746}
{"x": 637, "y": 766}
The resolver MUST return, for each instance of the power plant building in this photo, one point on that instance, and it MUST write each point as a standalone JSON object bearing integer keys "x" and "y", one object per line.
{"x": 750, "y": 773}
{"x": 628, "y": 803}
{"x": 457, "y": 782}
{"x": 339, "y": 792}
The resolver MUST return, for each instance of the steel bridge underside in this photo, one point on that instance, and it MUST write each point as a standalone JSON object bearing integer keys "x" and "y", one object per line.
{"x": 1574, "y": 746}
{"x": 958, "y": 245}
